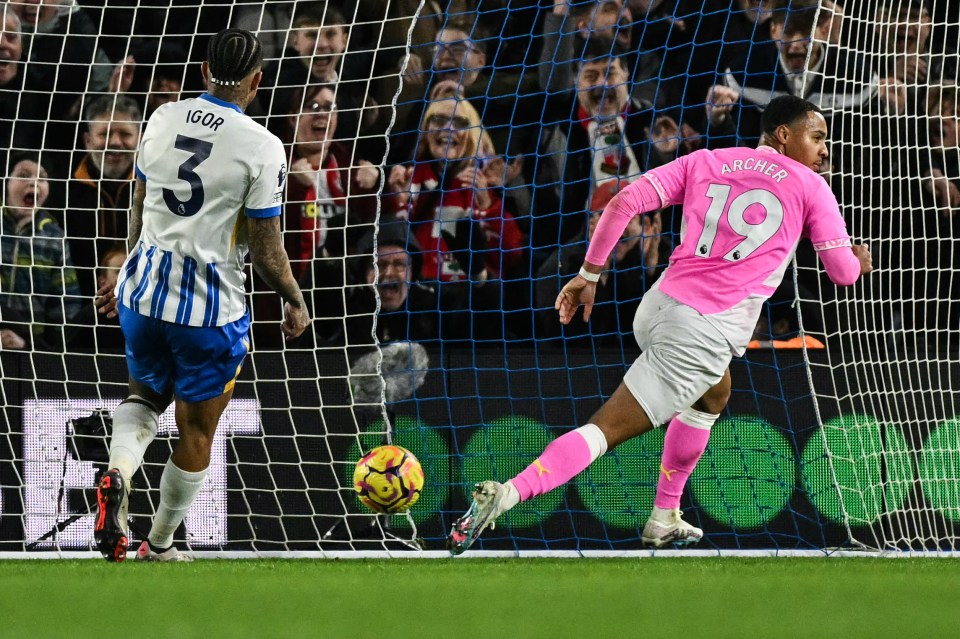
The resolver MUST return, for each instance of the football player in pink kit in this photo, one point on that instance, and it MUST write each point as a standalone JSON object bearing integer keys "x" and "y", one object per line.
{"x": 744, "y": 212}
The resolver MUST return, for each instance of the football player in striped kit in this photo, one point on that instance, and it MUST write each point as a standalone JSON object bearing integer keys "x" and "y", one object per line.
{"x": 209, "y": 188}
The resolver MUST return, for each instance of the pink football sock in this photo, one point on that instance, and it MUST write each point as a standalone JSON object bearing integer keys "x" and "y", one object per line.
{"x": 560, "y": 461}
{"x": 682, "y": 448}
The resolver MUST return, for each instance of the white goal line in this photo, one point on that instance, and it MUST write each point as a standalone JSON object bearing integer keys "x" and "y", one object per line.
{"x": 504, "y": 554}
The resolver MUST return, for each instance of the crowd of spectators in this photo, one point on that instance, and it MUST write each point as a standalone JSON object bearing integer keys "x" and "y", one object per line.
{"x": 485, "y": 136}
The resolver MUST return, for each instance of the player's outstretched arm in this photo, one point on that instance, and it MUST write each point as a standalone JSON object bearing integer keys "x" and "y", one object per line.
{"x": 845, "y": 264}
{"x": 271, "y": 262}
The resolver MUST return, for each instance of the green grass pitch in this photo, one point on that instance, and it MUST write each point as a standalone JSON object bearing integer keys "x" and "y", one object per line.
{"x": 550, "y": 598}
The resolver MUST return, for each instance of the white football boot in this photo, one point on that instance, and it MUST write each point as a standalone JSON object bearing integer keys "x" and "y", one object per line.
{"x": 666, "y": 527}
{"x": 484, "y": 509}
{"x": 146, "y": 553}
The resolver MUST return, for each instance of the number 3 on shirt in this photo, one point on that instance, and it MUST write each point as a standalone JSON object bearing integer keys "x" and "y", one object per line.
{"x": 754, "y": 235}
{"x": 200, "y": 151}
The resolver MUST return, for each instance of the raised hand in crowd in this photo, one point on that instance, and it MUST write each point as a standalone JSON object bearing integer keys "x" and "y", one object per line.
{"x": 303, "y": 171}
{"x": 690, "y": 138}
{"x": 399, "y": 182}
{"x": 652, "y": 229}
{"x": 413, "y": 74}
{"x": 665, "y": 135}
{"x": 911, "y": 69}
{"x": 945, "y": 192}
{"x": 893, "y": 93}
{"x": 10, "y": 340}
{"x": 122, "y": 77}
{"x": 720, "y": 101}
{"x": 445, "y": 89}
{"x": 366, "y": 175}
{"x": 476, "y": 177}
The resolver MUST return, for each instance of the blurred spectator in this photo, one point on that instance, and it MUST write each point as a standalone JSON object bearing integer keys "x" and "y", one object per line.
{"x": 700, "y": 39}
{"x": 454, "y": 60}
{"x": 330, "y": 204}
{"x": 942, "y": 181}
{"x": 98, "y": 195}
{"x": 905, "y": 27}
{"x": 907, "y": 64}
{"x": 318, "y": 44}
{"x": 635, "y": 264}
{"x": 152, "y": 75}
{"x": 943, "y": 178}
{"x": 830, "y": 24}
{"x": 453, "y": 213}
{"x": 21, "y": 126}
{"x": 682, "y": 44}
{"x": 455, "y": 64}
{"x": 63, "y": 62}
{"x": 931, "y": 231}
{"x": 791, "y": 62}
{"x": 62, "y": 44}
{"x": 781, "y": 333}
{"x": 566, "y": 31}
{"x": 39, "y": 293}
{"x": 604, "y": 135}
{"x": 321, "y": 183}
{"x": 779, "y": 325}
{"x": 505, "y": 186}
{"x": 271, "y": 21}
{"x": 409, "y": 310}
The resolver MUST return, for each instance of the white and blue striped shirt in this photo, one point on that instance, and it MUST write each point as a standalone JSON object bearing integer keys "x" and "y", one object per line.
{"x": 206, "y": 166}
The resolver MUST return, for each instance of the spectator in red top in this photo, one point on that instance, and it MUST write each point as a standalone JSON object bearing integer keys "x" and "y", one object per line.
{"x": 330, "y": 204}
{"x": 503, "y": 240}
{"x": 447, "y": 197}
{"x": 316, "y": 192}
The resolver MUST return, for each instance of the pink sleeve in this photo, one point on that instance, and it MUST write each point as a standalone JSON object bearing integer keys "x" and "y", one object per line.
{"x": 636, "y": 199}
{"x": 670, "y": 180}
{"x": 828, "y": 233}
{"x": 842, "y": 265}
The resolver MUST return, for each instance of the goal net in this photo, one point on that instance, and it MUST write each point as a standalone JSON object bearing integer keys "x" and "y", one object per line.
{"x": 445, "y": 158}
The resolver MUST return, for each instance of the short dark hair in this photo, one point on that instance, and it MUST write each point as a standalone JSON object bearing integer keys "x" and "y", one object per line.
{"x": 795, "y": 15}
{"x": 468, "y": 23}
{"x": 109, "y": 104}
{"x": 319, "y": 14}
{"x": 232, "y": 54}
{"x": 596, "y": 49}
{"x": 785, "y": 109}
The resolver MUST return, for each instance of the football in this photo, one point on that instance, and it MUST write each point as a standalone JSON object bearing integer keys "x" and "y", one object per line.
{"x": 388, "y": 479}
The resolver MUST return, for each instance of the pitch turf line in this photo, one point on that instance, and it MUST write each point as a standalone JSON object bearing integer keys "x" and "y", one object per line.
{"x": 717, "y": 597}
{"x": 687, "y": 553}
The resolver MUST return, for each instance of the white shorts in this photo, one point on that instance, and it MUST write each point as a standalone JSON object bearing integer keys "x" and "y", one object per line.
{"x": 683, "y": 356}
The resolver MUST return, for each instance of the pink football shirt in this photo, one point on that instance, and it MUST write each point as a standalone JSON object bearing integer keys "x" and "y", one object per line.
{"x": 744, "y": 212}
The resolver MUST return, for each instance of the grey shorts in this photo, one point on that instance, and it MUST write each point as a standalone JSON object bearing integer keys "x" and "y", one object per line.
{"x": 683, "y": 357}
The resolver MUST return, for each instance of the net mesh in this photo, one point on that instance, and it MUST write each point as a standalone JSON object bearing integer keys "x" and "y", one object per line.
{"x": 453, "y": 152}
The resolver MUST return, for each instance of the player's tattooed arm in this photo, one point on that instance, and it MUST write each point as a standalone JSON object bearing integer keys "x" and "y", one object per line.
{"x": 270, "y": 260}
{"x": 136, "y": 214}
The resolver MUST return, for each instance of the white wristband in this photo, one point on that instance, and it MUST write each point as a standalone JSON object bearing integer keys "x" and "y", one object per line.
{"x": 587, "y": 275}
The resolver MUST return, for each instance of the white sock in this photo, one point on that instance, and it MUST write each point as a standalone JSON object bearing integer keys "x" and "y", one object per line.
{"x": 595, "y": 439}
{"x": 511, "y": 499}
{"x": 134, "y": 427}
{"x": 178, "y": 489}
